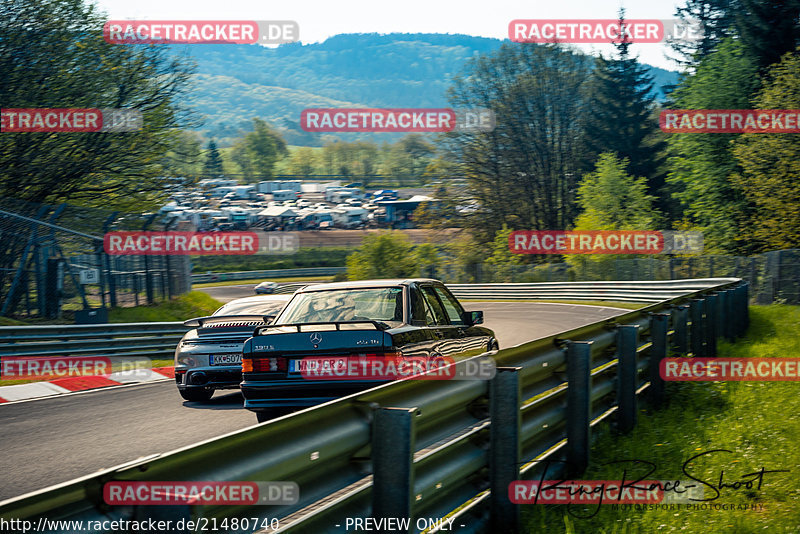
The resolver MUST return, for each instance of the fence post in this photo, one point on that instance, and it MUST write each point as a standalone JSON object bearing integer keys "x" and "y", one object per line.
{"x": 392, "y": 462}
{"x": 504, "y": 450}
{"x": 746, "y": 305}
{"x": 659, "y": 325}
{"x": 697, "y": 330}
{"x": 711, "y": 325}
{"x": 627, "y": 343}
{"x": 722, "y": 314}
{"x": 579, "y": 412}
{"x": 680, "y": 337}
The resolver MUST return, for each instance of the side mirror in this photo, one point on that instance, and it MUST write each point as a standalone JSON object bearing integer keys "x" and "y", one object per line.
{"x": 269, "y": 318}
{"x": 473, "y": 317}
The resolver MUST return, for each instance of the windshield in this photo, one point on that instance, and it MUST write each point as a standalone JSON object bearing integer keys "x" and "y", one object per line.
{"x": 377, "y": 304}
{"x": 269, "y": 307}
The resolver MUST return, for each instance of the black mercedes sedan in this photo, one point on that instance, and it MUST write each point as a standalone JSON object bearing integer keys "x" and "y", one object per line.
{"x": 331, "y": 340}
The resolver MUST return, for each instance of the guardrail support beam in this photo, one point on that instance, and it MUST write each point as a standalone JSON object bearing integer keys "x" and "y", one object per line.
{"x": 711, "y": 325}
{"x": 627, "y": 343}
{"x": 659, "y": 325}
{"x": 579, "y": 406}
{"x": 392, "y": 462}
{"x": 697, "y": 330}
{"x": 504, "y": 450}
{"x": 730, "y": 315}
{"x": 680, "y": 336}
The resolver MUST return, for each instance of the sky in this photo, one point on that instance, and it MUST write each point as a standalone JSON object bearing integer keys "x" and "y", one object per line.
{"x": 320, "y": 19}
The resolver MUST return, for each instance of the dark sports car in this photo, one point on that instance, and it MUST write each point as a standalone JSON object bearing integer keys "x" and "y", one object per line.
{"x": 327, "y": 327}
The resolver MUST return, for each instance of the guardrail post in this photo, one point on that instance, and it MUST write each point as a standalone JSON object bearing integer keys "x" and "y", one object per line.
{"x": 627, "y": 408}
{"x": 722, "y": 314}
{"x": 392, "y": 462}
{"x": 730, "y": 315}
{"x": 659, "y": 325}
{"x": 579, "y": 406}
{"x": 680, "y": 336}
{"x": 746, "y": 305}
{"x": 504, "y": 450}
{"x": 739, "y": 313}
{"x": 697, "y": 329}
{"x": 711, "y": 325}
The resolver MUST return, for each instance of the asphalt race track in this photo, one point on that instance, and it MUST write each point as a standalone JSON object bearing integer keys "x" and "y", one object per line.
{"x": 53, "y": 440}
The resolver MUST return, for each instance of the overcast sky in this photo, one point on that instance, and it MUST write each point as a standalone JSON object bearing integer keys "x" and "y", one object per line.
{"x": 320, "y": 19}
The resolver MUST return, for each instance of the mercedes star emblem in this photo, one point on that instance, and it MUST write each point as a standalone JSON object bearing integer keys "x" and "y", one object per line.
{"x": 316, "y": 338}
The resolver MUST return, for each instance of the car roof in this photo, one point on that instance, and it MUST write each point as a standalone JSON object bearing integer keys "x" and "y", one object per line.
{"x": 260, "y": 298}
{"x": 359, "y": 284}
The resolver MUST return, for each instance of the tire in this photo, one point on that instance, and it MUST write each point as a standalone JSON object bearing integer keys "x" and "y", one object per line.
{"x": 196, "y": 395}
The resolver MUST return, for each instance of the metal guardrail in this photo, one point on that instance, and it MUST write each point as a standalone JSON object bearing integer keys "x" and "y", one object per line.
{"x": 271, "y": 273}
{"x": 424, "y": 448}
{"x": 152, "y": 340}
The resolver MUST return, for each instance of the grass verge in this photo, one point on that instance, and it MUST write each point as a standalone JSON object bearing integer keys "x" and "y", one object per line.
{"x": 193, "y": 304}
{"x": 759, "y": 422}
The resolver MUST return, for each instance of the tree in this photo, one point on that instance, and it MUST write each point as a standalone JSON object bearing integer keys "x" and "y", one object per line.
{"x": 302, "y": 162}
{"x": 622, "y": 119}
{"x": 770, "y": 166}
{"x": 612, "y": 199}
{"x": 388, "y": 255}
{"x": 715, "y": 21}
{"x": 213, "y": 164}
{"x": 701, "y": 164}
{"x": 524, "y": 172}
{"x": 258, "y": 151}
{"x": 53, "y": 55}
{"x": 767, "y": 29}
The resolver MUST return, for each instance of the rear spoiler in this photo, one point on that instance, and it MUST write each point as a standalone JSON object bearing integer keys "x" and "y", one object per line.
{"x": 378, "y": 325}
{"x": 199, "y": 322}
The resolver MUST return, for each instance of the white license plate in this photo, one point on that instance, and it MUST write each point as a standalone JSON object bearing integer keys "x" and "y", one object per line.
{"x": 225, "y": 359}
{"x": 317, "y": 364}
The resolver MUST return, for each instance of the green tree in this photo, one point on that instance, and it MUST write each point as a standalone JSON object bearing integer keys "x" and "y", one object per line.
{"x": 388, "y": 255}
{"x": 770, "y": 166}
{"x": 701, "y": 164}
{"x": 184, "y": 157}
{"x": 524, "y": 172}
{"x": 53, "y": 55}
{"x": 258, "y": 151}
{"x": 622, "y": 119}
{"x": 302, "y": 162}
{"x": 213, "y": 164}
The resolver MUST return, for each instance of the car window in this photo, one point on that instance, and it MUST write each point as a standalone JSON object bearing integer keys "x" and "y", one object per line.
{"x": 451, "y": 306}
{"x": 377, "y": 304}
{"x": 251, "y": 308}
{"x": 435, "y": 313}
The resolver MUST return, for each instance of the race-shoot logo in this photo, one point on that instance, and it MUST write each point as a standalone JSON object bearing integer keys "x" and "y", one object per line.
{"x": 730, "y": 369}
{"x": 26, "y": 120}
{"x": 200, "y": 493}
{"x": 604, "y": 242}
{"x": 200, "y": 32}
{"x": 600, "y": 31}
{"x": 730, "y": 120}
{"x": 200, "y": 243}
{"x": 421, "y": 120}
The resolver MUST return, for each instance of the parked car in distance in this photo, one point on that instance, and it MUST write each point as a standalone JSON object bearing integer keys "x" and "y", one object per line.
{"x": 265, "y": 288}
{"x": 209, "y": 356}
{"x": 336, "y": 321}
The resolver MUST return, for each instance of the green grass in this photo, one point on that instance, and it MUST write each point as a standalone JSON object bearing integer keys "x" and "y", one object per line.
{"x": 255, "y": 281}
{"x": 193, "y": 304}
{"x": 7, "y": 321}
{"x": 758, "y": 421}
